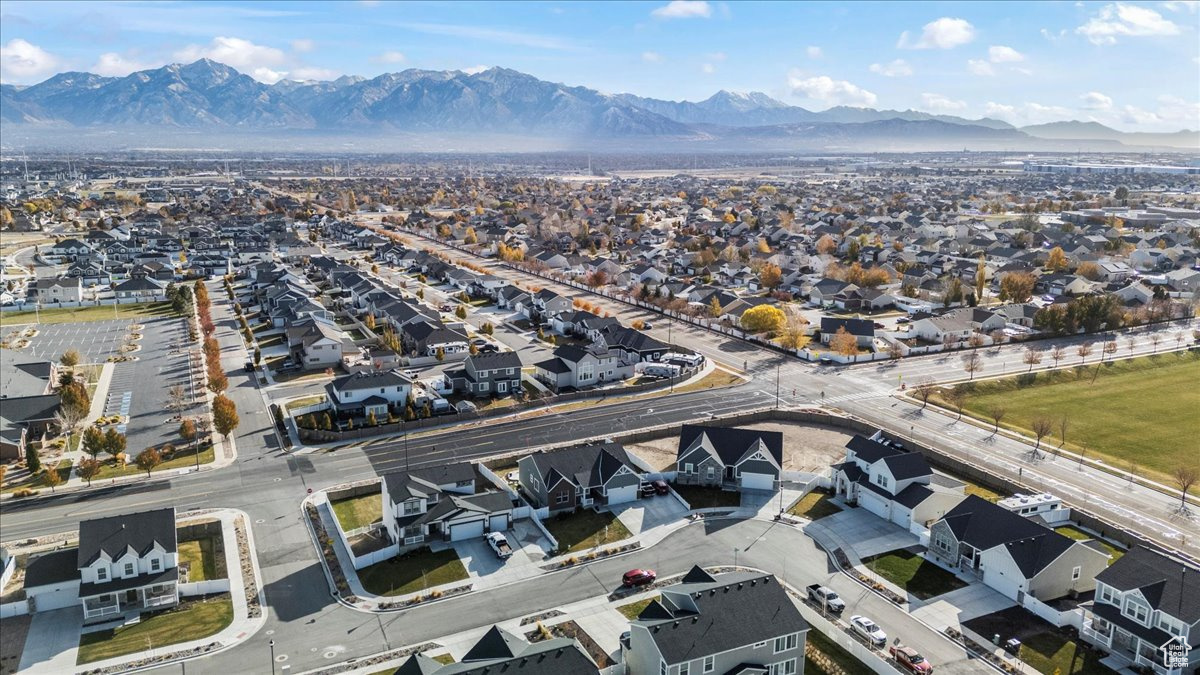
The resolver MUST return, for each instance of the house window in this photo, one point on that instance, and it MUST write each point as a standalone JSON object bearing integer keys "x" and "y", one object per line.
{"x": 709, "y": 663}
{"x": 411, "y": 507}
{"x": 483, "y": 386}
{"x": 501, "y": 387}
{"x": 685, "y": 668}
{"x": 662, "y": 668}
{"x": 562, "y": 497}
{"x": 155, "y": 564}
{"x": 1136, "y": 612}
{"x": 784, "y": 667}
{"x": 1107, "y": 595}
{"x": 785, "y": 643}
{"x": 760, "y": 645}
{"x": 688, "y": 467}
{"x": 1075, "y": 572}
{"x": 102, "y": 573}
{"x": 712, "y": 473}
{"x": 881, "y": 480}
{"x": 128, "y": 569}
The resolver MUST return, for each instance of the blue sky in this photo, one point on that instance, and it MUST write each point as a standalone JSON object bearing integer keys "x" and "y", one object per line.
{"x": 1133, "y": 66}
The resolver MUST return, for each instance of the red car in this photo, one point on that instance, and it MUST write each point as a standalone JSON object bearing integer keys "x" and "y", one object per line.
{"x": 660, "y": 487}
{"x": 638, "y": 578}
{"x": 909, "y": 659}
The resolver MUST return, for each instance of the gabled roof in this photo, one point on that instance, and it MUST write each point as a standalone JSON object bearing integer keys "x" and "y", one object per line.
{"x": 985, "y": 525}
{"x": 115, "y": 535}
{"x": 730, "y": 444}
{"x": 871, "y": 451}
{"x": 582, "y": 465}
{"x": 907, "y": 465}
{"x": 500, "y": 652}
{"x": 402, "y": 485}
{"x": 1168, "y": 584}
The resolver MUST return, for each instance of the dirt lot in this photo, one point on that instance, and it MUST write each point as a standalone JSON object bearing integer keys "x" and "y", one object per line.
{"x": 805, "y": 447}
{"x": 12, "y": 643}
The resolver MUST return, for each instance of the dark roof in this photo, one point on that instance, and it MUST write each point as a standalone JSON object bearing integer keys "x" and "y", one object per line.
{"x": 907, "y": 465}
{"x": 871, "y": 451}
{"x": 985, "y": 525}
{"x": 402, "y": 485}
{"x": 370, "y": 379}
{"x": 553, "y": 365}
{"x": 735, "y": 610}
{"x": 499, "y": 651}
{"x": 912, "y": 495}
{"x": 583, "y": 465}
{"x": 1168, "y": 584}
{"x": 495, "y": 361}
{"x": 864, "y": 327}
{"x": 731, "y": 443}
{"x": 630, "y": 339}
{"x": 117, "y": 534}
{"x": 52, "y": 568}
{"x": 496, "y": 644}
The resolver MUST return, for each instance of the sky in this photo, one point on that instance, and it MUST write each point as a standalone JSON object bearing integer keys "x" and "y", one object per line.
{"x": 1134, "y": 66}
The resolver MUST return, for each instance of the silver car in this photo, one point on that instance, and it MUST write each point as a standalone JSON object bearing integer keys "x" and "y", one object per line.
{"x": 868, "y": 630}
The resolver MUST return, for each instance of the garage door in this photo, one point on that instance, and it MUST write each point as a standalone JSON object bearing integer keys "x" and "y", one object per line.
{"x": 758, "y": 481}
{"x": 55, "y": 598}
{"x": 499, "y": 523}
{"x": 460, "y": 531}
{"x": 622, "y": 494}
{"x": 873, "y": 503}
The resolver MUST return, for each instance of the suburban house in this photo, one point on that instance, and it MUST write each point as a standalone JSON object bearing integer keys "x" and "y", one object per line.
{"x": 737, "y": 622}
{"x": 581, "y": 367}
{"x": 863, "y": 330}
{"x": 499, "y": 651}
{"x": 63, "y": 289}
{"x": 27, "y": 402}
{"x": 633, "y": 346}
{"x": 957, "y": 325}
{"x": 1147, "y": 611}
{"x": 425, "y": 338}
{"x": 1019, "y": 558}
{"x": 316, "y": 342}
{"x": 123, "y": 564}
{"x": 579, "y": 476}
{"x": 728, "y": 457}
{"x": 141, "y": 287}
{"x": 441, "y": 503}
{"x": 497, "y": 374}
{"x": 369, "y": 392}
{"x": 893, "y": 483}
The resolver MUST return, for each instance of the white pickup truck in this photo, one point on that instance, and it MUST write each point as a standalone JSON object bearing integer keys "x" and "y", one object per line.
{"x": 500, "y": 545}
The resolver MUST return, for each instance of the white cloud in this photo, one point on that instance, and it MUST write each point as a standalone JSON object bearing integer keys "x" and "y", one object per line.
{"x": 314, "y": 73}
{"x": 1181, "y": 5}
{"x": 944, "y": 33}
{"x": 708, "y": 68}
{"x": 1000, "y": 110}
{"x": 475, "y": 70}
{"x": 828, "y": 90}
{"x": 1003, "y": 54}
{"x": 21, "y": 60}
{"x": 897, "y": 68}
{"x": 1094, "y": 100}
{"x": 112, "y": 64}
{"x": 940, "y": 103}
{"x": 683, "y": 9}
{"x": 241, "y": 54}
{"x": 1027, "y": 113}
{"x": 1176, "y": 110}
{"x": 652, "y": 57}
{"x": 1121, "y": 20}
{"x": 303, "y": 45}
{"x": 814, "y": 52}
{"x": 980, "y": 67}
{"x": 389, "y": 57}
{"x": 1052, "y": 36}
{"x": 717, "y": 56}
{"x": 1138, "y": 116}
{"x": 268, "y": 76}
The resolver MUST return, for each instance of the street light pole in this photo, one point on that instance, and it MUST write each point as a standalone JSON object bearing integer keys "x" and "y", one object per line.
{"x": 272, "y": 645}
{"x": 777, "y": 366}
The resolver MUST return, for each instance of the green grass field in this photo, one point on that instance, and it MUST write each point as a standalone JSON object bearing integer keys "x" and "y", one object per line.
{"x": 87, "y": 313}
{"x": 913, "y": 573}
{"x": 1139, "y": 412}
{"x": 814, "y": 506}
{"x": 358, "y": 512}
{"x": 191, "y": 620}
{"x": 412, "y": 572}
{"x": 582, "y": 530}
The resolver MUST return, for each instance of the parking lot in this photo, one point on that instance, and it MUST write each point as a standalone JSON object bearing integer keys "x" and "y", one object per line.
{"x": 95, "y": 340}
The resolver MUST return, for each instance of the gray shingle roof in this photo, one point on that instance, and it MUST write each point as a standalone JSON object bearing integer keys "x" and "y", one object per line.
{"x": 115, "y": 535}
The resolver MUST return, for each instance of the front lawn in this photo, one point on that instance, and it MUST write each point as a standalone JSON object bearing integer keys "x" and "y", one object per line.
{"x": 357, "y": 512}
{"x": 916, "y": 575}
{"x": 191, "y": 620}
{"x": 814, "y": 506}
{"x": 1079, "y": 535}
{"x": 633, "y": 609}
{"x": 717, "y": 379}
{"x": 585, "y": 529}
{"x": 700, "y": 497}
{"x": 87, "y": 313}
{"x": 201, "y": 558}
{"x": 1055, "y": 654}
{"x": 412, "y": 572}
{"x": 38, "y": 481}
{"x": 182, "y": 459}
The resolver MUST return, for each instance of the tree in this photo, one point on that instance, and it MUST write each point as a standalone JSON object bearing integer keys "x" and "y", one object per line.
{"x": 187, "y": 430}
{"x": 52, "y": 478}
{"x": 1155, "y": 338}
{"x": 147, "y": 459}
{"x": 68, "y": 420}
{"x": 972, "y": 363}
{"x": 1017, "y": 286}
{"x": 70, "y": 358}
{"x": 762, "y": 319}
{"x": 74, "y": 395}
{"x": 980, "y": 279}
{"x": 469, "y": 236}
{"x": 1185, "y": 477}
{"x": 114, "y": 442}
{"x": 770, "y": 275}
{"x": 176, "y": 396}
{"x": 461, "y": 312}
{"x": 225, "y": 416}
{"x": 488, "y": 329}
{"x": 87, "y": 469}
{"x": 370, "y": 321}
{"x": 371, "y": 421}
{"x": 1063, "y": 423}
{"x": 714, "y": 307}
{"x": 1083, "y": 350}
{"x": 1088, "y": 270}
{"x": 217, "y": 381}
{"x": 957, "y": 398}
{"x": 997, "y": 414}
{"x": 440, "y": 354}
{"x": 895, "y": 351}
{"x": 1041, "y": 427}
{"x": 826, "y": 245}
{"x": 1121, "y": 193}
{"x": 1110, "y": 347}
{"x": 33, "y": 461}
{"x": 1057, "y": 260}
{"x": 1057, "y": 354}
{"x": 93, "y": 441}
{"x": 924, "y": 391}
{"x": 844, "y": 342}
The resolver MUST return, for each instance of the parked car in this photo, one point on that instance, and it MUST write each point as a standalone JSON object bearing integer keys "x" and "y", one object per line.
{"x": 904, "y": 319}
{"x": 488, "y": 349}
{"x": 446, "y": 308}
{"x": 410, "y": 374}
{"x": 499, "y": 544}
{"x": 909, "y": 659}
{"x": 647, "y": 490}
{"x": 661, "y": 487}
{"x": 646, "y": 325}
{"x": 823, "y": 595}
{"x": 248, "y": 366}
{"x": 479, "y": 342}
{"x": 868, "y": 630}
{"x": 638, "y": 577}
{"x": 512, "y": 477}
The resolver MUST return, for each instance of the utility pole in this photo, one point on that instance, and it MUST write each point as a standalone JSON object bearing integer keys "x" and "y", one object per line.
{"x": 777, "y": 386}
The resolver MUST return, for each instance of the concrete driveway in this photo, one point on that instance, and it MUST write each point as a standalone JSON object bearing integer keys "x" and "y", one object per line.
{"x": 864, "y": 534}
{"x": 648, "y": 513}
{"x": 52, "y": 642}
{"x": 488, "y": 571}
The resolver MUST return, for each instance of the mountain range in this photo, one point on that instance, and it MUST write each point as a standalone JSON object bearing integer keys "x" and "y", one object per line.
{"x": 206, "y": 96}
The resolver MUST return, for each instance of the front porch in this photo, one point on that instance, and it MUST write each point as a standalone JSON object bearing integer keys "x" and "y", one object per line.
{"x": 139, "y": 599}
{"x": 1125, "y": 649}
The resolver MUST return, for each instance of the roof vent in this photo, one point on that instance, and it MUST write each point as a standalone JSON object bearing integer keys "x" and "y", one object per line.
{"x": 752, "y": 582}
{"x": 676, "y": 624}
{"x": 739, "y": 586}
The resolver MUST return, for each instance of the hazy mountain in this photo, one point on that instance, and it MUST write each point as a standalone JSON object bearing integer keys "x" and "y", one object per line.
{"x": 210, "y": 98}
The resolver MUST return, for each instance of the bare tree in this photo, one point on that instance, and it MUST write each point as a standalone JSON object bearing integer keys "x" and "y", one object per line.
{"x": 68, "y": 419}
{"x": 976, "y": 340}
{"x": 1032, "y": 357}
{"x": 1057, "y": 354}
{"x": 972, "y": 363}
{"x": 997, "y": 414}
{"x": 997, "y": 338}
{"x": 957, "y": 398}
{"x": 1063, "y": 423}
{"x": 177, "y": 396}
{"x": 924, "y": 390}
{"x": 1083, "y": 350}
{"x": 1110, "y": 348}
{"x": 1132, "y": 343}
{"x": 1179, "y": 338}
{"x": 1041, "y": 427}
{"x": 1155, "y": 338}
{"x": 1185, "y": 477}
